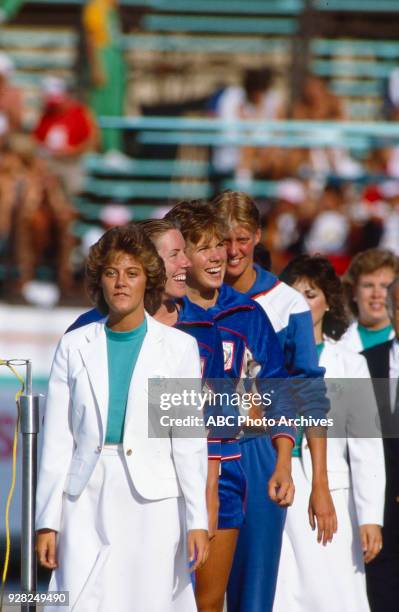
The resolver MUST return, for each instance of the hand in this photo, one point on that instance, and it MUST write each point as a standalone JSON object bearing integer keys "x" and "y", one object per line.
{"x": 371, "y": 540}
{"x": 198, "y": 548}
{"x": 321, "y": 511}
{"x": 46, "y": 548}
{"x": 281, "y": 486}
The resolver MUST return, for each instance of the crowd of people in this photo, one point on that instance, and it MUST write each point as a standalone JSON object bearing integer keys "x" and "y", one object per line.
{"x": 41, "y": 166}
{"x": 327, "y": 200}
{"x": 324, "y": 200}
{"x": 268, "y": 518}
{"x": 41, "y": 171}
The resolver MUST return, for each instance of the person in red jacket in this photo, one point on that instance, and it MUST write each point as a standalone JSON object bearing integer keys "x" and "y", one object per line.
{"x": 65, "y": 131}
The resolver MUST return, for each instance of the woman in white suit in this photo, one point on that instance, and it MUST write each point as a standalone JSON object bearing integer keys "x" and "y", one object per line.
{"x": 113, "y": 504}
{"x": 315, "y": 578}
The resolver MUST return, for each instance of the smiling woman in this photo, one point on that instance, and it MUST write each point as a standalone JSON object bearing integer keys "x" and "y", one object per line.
{"x": 108, "y": 518}
{"x": 365, "y": 283}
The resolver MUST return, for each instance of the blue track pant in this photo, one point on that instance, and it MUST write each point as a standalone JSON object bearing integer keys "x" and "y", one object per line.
{"x": 252, "y": 582}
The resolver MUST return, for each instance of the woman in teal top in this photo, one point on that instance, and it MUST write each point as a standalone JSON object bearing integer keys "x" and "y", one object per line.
{"x": 123, "y": 348}
{"x": 112, "y": 499}
{"x": 365, "y": 284}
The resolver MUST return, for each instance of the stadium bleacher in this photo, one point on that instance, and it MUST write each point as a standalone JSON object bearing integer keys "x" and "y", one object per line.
{"x": 179, "y": 51}
{"x": 37, "y": 52}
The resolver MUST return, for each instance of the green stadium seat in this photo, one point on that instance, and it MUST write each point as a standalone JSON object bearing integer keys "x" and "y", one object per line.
{"x": 372, "y": 6}
{"x": 162, "y": 190}
{"x": 351, "y": 68}
{"x": 359, "y": 89}
{"x": 37, "y": 38}
{"x": 204, "y": 44}
{"x": 258, "y": 7}
{"x": 388, "y": 49}
{"x": 42, "y": 60}
{"x": 247, "y": 25}
{"x": 97, "y": 164}
{"x": 363, "y": 110}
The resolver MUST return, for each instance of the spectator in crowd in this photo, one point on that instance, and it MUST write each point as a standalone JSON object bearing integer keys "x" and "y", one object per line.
{"x": 389, "y": 238}
{"x": 35, "y": 214}
{"x": 329, "y": 231}
{"x": 65, "y": 131}
{"x": 355, "y": 465}
{"x": 365, "y": 284}
{"x": 284, "y": 220}
{"x": 107, "y": 66}
{"x": 10, "y": 96}
{"x": 257, "y": 98}
{"x": 383, "y": 361}
{"x": 392, "y": 95}
{"x": 318, "y": 103}
{"x": 9, "y": 164}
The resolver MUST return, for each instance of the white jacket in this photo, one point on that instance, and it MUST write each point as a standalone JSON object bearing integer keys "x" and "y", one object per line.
{"x": 76, "y": 419}
{"x": 356, "y": 462}
{"x": 352, "y": 340}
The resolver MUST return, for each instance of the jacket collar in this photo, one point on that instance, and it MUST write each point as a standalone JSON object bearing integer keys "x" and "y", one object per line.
{"x": 264, "y": 281}
{"x": 95, "y": 358}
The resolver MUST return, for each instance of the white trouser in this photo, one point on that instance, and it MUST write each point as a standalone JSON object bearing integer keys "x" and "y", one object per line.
{"x": 317, "y": 578}
{"x": 118, "y": 551}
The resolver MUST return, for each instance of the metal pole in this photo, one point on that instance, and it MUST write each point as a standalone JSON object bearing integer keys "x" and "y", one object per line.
{"x": 29, "y": 423}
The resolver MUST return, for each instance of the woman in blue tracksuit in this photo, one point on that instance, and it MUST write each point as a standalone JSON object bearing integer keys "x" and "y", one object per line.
{"x": 251, "y": 351}
{"x": 252, "y": 583}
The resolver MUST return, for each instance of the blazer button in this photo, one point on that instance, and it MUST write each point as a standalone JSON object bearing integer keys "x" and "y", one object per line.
{"x": 129, "y": 452}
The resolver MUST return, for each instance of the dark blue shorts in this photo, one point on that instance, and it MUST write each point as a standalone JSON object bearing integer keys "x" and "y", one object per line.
{"x": 232, "y": 494}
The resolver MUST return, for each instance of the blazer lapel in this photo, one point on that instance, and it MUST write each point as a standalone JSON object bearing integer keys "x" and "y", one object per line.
{"x": 95, "y": 359}
{"x": 147, "y": 366}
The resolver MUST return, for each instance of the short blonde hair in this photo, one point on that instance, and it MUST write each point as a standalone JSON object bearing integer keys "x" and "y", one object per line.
{"x": 238, "y": 207}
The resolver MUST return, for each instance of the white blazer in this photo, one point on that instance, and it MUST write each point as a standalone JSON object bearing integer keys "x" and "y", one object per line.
{"x": 352, "y": 340}
{"x": 75, "y": 423}
{"x": 353, "y": 462}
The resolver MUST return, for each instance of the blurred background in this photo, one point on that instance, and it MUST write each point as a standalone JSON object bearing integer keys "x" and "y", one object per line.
{"x": 111, "y": 112}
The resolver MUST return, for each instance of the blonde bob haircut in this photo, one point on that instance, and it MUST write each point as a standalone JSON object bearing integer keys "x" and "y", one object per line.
{"x": 237, "y": 207}
{"x": 130, "y": 240}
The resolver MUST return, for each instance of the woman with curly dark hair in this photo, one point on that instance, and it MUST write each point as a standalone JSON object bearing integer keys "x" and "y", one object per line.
{"x": 312, "y": 578}
{"x": 114, "y": 504}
